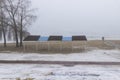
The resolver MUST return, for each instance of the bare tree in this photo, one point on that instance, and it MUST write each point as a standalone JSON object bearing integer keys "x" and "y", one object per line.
{"x": 25, "y": 17}
{"x": 18, "y": 16}
{"x": 2, "y": 19}
{"x": 11, "y": 7}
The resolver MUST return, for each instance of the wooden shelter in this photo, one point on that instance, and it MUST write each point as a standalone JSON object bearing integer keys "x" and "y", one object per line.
{"x": 79, "y": 38}
{"x": 55, "y": 38}
{"x": 32, "y": 38}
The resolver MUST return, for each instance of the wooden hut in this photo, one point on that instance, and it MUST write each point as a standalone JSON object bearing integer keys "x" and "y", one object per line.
{"x": 55, "y": 38}
{"x": 79, "y": 38}
{"x": 32, "y": 38}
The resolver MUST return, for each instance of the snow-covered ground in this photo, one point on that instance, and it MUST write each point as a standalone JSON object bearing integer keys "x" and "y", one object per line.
{"x": 96, "y": 55}
{"x": 57, "y": 72}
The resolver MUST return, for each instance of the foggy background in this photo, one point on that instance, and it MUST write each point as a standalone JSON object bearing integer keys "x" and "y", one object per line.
{"x": 76, "y": 17}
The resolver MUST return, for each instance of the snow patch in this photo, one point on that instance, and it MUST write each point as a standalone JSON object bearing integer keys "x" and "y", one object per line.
{"x": 96, "y": 55}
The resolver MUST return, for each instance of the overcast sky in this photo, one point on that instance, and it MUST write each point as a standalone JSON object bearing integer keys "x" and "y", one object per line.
{"x": 77, "y": 17}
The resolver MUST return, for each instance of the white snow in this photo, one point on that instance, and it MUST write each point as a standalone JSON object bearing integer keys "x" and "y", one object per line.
{"x": 96, "y": 55}
{"x": 59, "y": 72}
{"x": 56, "y": 72}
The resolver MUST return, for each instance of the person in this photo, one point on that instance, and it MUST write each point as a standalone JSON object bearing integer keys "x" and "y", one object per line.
{"x": 103, "y": 38}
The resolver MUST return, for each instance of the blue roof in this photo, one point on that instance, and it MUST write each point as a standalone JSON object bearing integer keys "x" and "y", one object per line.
{"x": 67, "y": 39}
{"x": 42, "y": 38}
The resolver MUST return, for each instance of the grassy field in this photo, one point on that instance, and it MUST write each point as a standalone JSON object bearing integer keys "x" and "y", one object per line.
{"x": 60, "y": 46}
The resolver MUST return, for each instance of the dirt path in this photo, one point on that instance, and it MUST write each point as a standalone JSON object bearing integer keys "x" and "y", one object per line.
{"x": 66, "y": 63}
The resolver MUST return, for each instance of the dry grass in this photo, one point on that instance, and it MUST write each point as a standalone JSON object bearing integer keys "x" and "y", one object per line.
{"x": 99, "y": 44}
{"x": 58, "y": 46}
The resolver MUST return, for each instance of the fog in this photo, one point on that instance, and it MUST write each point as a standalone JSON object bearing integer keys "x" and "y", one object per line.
{"x": 76, "y": 17}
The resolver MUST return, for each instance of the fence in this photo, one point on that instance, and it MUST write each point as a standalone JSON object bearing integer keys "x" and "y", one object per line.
{"x": 55, "y": 46}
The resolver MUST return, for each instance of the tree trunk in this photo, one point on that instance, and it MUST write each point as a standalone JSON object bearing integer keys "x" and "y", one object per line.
{"x": 4, "y": 35}
{"x": 21, "y": 37}
{"x": 21, "y": 32}
{"x": 3, "y": 30}
{"x": 16, "y": 37}
{"x": 16, "y": 34}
